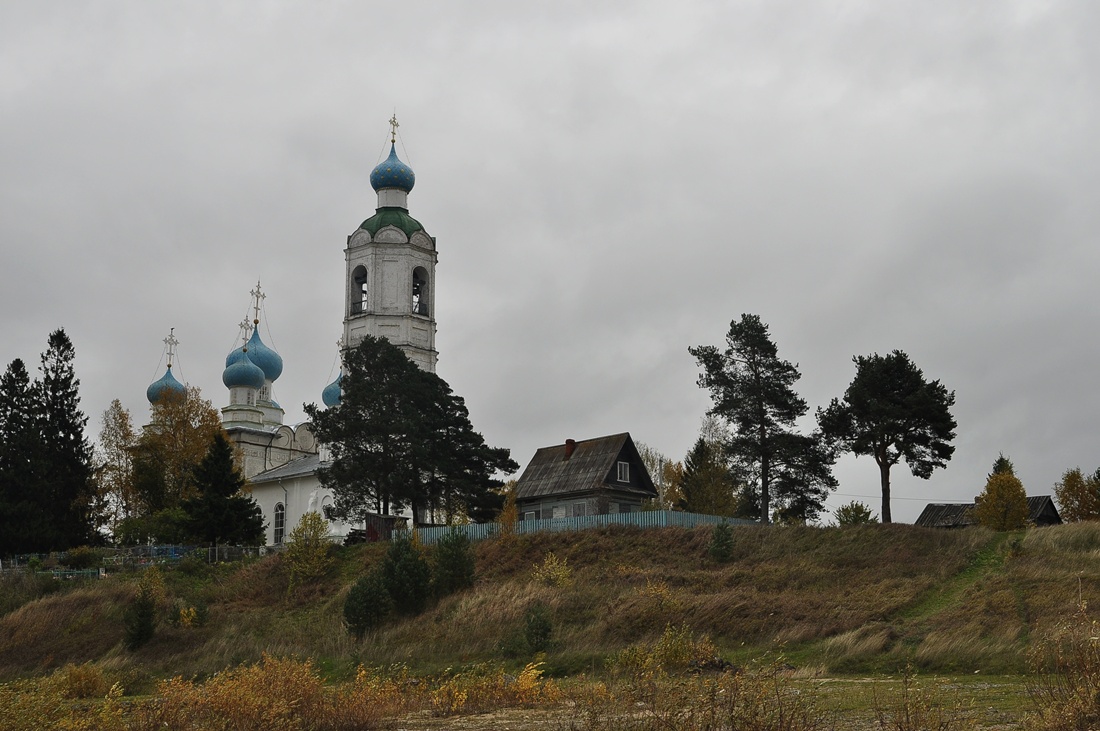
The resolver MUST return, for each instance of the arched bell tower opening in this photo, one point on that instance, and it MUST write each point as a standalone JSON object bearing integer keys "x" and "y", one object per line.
{"x": 420, "y": 292}
{"x": 391, "y": 269}
{"x": 358, "y": 293}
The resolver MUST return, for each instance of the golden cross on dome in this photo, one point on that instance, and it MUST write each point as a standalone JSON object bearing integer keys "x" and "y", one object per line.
{"x": 257, "y": 297}
{"x": 246, "y": 330}
{"x": 393, "y": 128}
{"x": 171, "y": 342}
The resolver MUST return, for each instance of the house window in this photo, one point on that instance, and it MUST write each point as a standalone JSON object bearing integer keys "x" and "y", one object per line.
{"x": 529, "y": 515}
{"x": 279, "y": 523}
{"x": 624, "y": 472}
{"x": 578, "y": 510}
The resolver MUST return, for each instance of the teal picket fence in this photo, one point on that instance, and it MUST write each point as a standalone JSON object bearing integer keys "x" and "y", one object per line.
{"x": 648, "y": 519}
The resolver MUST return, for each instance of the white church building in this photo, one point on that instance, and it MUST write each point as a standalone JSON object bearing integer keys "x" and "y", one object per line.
{"x": 390, "y": 293}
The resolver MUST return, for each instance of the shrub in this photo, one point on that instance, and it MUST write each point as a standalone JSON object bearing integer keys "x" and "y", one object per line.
{"x": 721, "y": 542}
{"x": 82, "y": 558}
{"x": 368, "y": 604}
{"x": 187, "y": 614}
{"x": 407, "y": 576}
{"x": 553, "y": 571}
{"x": 83, "y": 681}
{"x": 537, "y": 629}
{"x": 454, "y": 564}
{"x": 676, "y": 650}
{"x": 307, "y": 556}
{"x": 854, "y": 513}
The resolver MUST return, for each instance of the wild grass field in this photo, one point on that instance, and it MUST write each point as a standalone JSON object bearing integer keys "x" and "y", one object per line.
{"x": 833, "y": 612}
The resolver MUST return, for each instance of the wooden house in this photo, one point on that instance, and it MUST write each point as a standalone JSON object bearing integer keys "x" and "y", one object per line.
{"x": 1041, "y": 511}
{"x": 588, "y": 477}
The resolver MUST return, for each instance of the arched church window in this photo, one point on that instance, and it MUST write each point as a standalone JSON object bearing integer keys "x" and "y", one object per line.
{"x": 359, "y": 291}
{"x": 420, "y": 292}
{"x": 279, "y": 523}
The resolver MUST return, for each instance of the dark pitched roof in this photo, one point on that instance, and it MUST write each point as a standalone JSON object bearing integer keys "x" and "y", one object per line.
{"x": 294, "y": 468}
{"x": 946, "y": 515}
{"x": 588, "y": 468}
{"x": 1040, "y": 511}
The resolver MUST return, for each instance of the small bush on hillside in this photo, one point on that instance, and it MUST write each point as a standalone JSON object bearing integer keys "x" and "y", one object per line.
{"x": 407, "y": 576}
{"x": 308, "y": 551}
{"x": 676, "y": 650}
{"x": 721, "y": 542}
{"x": 454, "y": 564}
{"x": 854, "y": 513}
{"x": 538, "y": 630}
{"x": 553, "y": 571}
{"x": 140, "y": 620}
{"x": 82, "y": 558}
{"x": 368, "y": 604}
{"x": 83, "y": 681}
{"x": 188, "y": 614}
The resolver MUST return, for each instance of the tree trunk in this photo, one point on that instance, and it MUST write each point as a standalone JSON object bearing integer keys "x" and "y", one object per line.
{"x": 884, "y": 478}
{"x": 765, "y": 497}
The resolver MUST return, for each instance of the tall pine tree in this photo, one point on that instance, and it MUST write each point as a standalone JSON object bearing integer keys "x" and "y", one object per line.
{"x": 753, "y": 391}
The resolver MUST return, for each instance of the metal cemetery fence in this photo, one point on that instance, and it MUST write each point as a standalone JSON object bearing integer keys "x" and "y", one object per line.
{"x": 647, "y": 519}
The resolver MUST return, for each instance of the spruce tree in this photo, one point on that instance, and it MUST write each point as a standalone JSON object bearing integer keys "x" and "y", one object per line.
{"x": 222, "y": 513}
{"x": 66, "y": 491}
{"x": 22, "y": 521}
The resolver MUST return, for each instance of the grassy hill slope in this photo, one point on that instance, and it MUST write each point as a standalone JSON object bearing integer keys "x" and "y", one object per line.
{"x": 839, "y": 600}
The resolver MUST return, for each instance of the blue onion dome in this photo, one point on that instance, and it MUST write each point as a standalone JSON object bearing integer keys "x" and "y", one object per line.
{"x": 331, "y": 395}
{"x": 392, "y": 173}
{"x": 166, "y": 384}
{"x": 241, "y": 371}
{"x": 270, "y": 362}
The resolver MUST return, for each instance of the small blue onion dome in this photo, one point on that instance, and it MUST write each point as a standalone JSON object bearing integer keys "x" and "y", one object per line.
{"x": 241, "y": 371}
{"x": 392, "y": 173}
{"x": 331, "y": 395}
{"x": 166, "y": 384}
{"x": 270, "y": 362}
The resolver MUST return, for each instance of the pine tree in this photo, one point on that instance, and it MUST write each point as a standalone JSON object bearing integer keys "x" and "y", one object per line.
{"x": 753, "y": 391}
{"x": 400, "y": 438}
{"x": 221, "y": 513}
{"x": 892, "y": 413}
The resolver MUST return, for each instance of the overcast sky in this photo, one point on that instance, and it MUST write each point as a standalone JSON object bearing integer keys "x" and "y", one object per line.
{"x": 608, "y": 183}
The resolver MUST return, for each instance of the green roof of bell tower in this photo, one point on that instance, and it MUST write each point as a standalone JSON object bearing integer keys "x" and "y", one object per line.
{"x": 397, "y": 217}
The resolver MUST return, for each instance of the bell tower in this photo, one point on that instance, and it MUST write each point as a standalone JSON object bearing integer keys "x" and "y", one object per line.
{"x": 391, "y": 269}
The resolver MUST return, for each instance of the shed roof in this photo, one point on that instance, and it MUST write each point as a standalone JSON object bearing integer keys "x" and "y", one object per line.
{"x": 551, "y": 472}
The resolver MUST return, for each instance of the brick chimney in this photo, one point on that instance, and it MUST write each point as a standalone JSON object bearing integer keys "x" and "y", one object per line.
{"x": 570, "y": 447}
